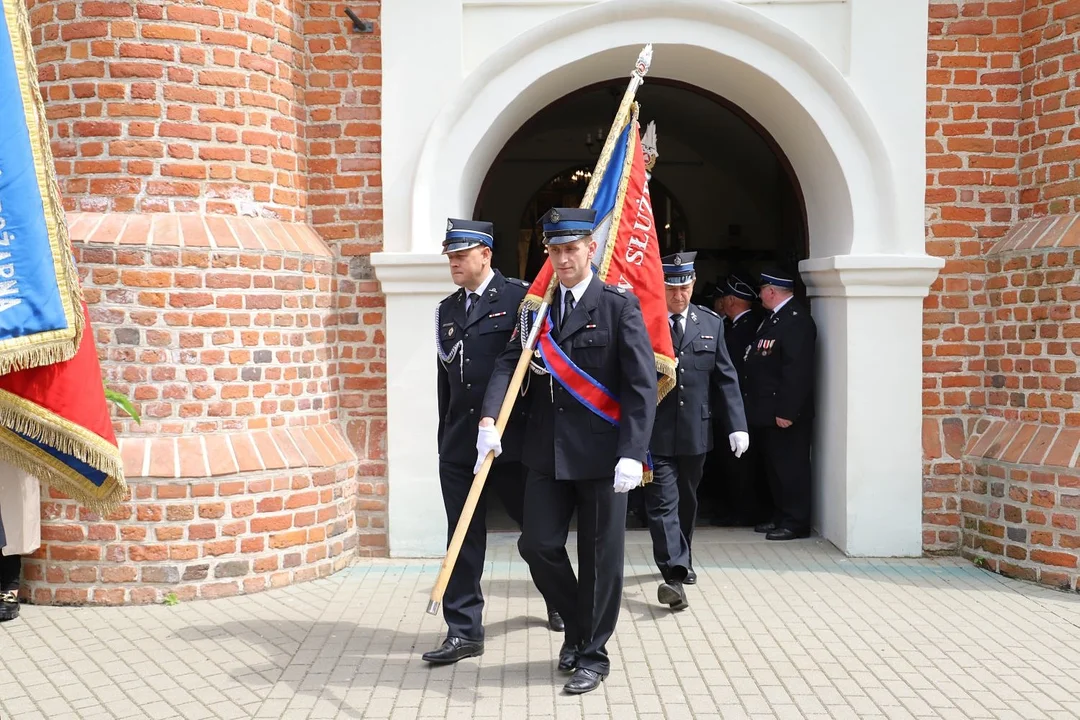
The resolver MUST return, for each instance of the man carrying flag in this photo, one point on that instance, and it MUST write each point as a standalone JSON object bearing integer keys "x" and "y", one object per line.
{"x": 597, "y": 351}
{"x": 607, "y": 354}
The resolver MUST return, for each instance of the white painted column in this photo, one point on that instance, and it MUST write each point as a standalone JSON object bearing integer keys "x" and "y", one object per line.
{"x": 867, "y": 440}
{"x": 414, "y": 283}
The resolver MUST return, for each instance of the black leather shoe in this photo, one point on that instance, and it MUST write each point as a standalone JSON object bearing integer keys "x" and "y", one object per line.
{"x": 786, "y": 534}
{"x": 555, "y": 623}
{"x": 567, "y": 658}
{"x": 583, "y": 681}
{"x": 9, "y": 605}
{"x": 454, "y": 649}
{"x": 765, "y": 527}
{"x": 691, "y": 578}
{"x": 672, "y": 594}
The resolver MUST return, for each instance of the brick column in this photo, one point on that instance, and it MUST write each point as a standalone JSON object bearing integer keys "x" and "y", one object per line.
{"x": 180, "y": 133}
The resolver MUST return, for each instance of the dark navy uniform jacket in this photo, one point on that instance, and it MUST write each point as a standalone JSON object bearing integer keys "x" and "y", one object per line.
{"x": 605, "y": 336}
{"x": 484, "y": 334}
{"x": 706, "y": 381}
{"x": 739, "y": 334}
{"x": 778, "y": 371}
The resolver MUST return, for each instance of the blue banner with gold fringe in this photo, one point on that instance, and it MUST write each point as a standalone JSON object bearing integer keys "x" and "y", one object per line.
{"x": 40, "y": 315}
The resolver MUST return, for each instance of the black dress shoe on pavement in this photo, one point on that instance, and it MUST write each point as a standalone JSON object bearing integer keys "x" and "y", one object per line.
{"x": 583, "y": 681}
{"x": 567, "y": 658}
{"x": 673, "y": 595}
{"x": 555, "y": 622}
{"x": 9, "y": 605}
{"x": 765, "y": 527}
{"x": 786, "y": 534}
{"x": 691, "y": 578}
{"x": 454, "y": 649}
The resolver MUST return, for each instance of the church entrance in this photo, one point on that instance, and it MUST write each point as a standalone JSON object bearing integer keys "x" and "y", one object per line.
{"x": 721, "y": 188}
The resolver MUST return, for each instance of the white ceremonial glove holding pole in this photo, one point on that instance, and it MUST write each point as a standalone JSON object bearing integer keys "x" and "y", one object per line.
{"x": 487, "y": 440}
{"x": 740, "y": 442}
{"x": 628, "y": 474}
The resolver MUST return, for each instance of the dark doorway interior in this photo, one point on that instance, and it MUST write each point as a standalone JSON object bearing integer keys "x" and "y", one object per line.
{"x": 721, "y": 186}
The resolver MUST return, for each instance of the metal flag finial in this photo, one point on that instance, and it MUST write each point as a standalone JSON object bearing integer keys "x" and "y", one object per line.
{"x": 644, "y": 60}
{"x": 648, "y": 146}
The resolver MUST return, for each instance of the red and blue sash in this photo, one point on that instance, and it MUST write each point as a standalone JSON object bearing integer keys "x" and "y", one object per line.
{"x": 587, "y": 391}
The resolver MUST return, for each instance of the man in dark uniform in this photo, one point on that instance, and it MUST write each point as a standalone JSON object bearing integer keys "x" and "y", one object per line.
{"x": 571, "y": 453}
{"x": 473, "y": 326}
{"x": 682, "y": 433}
{"x": 745, "y": 497}
{"x": 778, "y": 388}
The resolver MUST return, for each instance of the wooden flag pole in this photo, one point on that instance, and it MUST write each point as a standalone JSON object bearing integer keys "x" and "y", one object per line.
{"x": 641, "y": 67}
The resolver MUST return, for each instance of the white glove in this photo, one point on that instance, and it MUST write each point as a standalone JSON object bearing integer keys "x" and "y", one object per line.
{"x": 740, "y": 442}
{"x": 628, "y": 475}
{"x": 487, "y": 440}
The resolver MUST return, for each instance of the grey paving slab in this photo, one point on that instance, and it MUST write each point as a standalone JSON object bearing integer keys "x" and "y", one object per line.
{"x": 775, "y": 630}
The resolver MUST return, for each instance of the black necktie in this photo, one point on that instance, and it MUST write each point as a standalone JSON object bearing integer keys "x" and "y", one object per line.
{"x": 474, "y": 300}
{"x": 676, "y": 331}
{"x": 568, "y": 307}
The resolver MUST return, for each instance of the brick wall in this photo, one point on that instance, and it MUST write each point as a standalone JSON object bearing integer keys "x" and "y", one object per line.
{"x": 176, "y": 107}
{"x": 1001, "y": 397}
{"x": 972, "y": 148}
{"x": 343, "y": 100}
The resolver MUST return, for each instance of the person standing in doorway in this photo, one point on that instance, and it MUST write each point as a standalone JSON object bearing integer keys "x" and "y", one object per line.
{"x": 683, "y": 433}
{"x": 778, "y": 390}
{"x": 577, "y": 460}
{"x": 472, "y": 326}
{"x": 746, "y": 500}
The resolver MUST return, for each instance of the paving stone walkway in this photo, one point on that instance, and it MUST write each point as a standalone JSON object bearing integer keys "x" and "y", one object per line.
{"x": 774, "y": 630}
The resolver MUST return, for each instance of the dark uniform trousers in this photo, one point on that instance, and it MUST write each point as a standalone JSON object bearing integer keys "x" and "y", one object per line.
{"x": 744, "y": 492}
{"x": 778, "y": 381}
{"x": 786, "y": 453}
{"x": 570, "y": 457}
{"x": 673, "y": 493}
{"x": 463, "y": 601}
{"x": 589, "y": 601}
{"x": 683, "y": 435}
{"x": 482, "y": 332}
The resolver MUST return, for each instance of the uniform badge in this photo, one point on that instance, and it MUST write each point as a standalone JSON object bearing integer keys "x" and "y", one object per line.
{"x": 693, "y": 315}
{"x": 677, "y": 260}
{"x": 449, "y": 225}
{"x": 707, "y": 337}
{"x": 590, "y": 326}
{"x": 450, "y": 331}
{"x": 554, "y": 216}
{"x": 498, "y": 314}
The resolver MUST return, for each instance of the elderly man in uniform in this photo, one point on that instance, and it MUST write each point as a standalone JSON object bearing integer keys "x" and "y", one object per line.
{"x": 473, "y": 326}
{"x": 778, "y": 388}
{"x": 683, "y": 433}
{"x": 746, "y": 499}
{"x": 577, "y": 460}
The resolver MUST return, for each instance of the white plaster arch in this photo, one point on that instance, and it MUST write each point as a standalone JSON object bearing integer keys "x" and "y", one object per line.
{"x": 867, "y": 270}
{"x": 772, "y": 73}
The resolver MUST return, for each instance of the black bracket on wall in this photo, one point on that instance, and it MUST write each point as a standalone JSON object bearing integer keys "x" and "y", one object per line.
{"x": 359, "y": 24}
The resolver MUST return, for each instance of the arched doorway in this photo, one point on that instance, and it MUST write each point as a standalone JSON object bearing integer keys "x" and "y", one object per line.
{"x": 866, "y": 268}
{"x": 722, "y": 186}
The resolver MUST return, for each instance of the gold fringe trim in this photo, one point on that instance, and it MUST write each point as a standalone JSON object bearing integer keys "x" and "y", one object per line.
{"x": 18, "y": 415}
{"x": 56, "y": 345}
{"x": 35, "y": 461}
